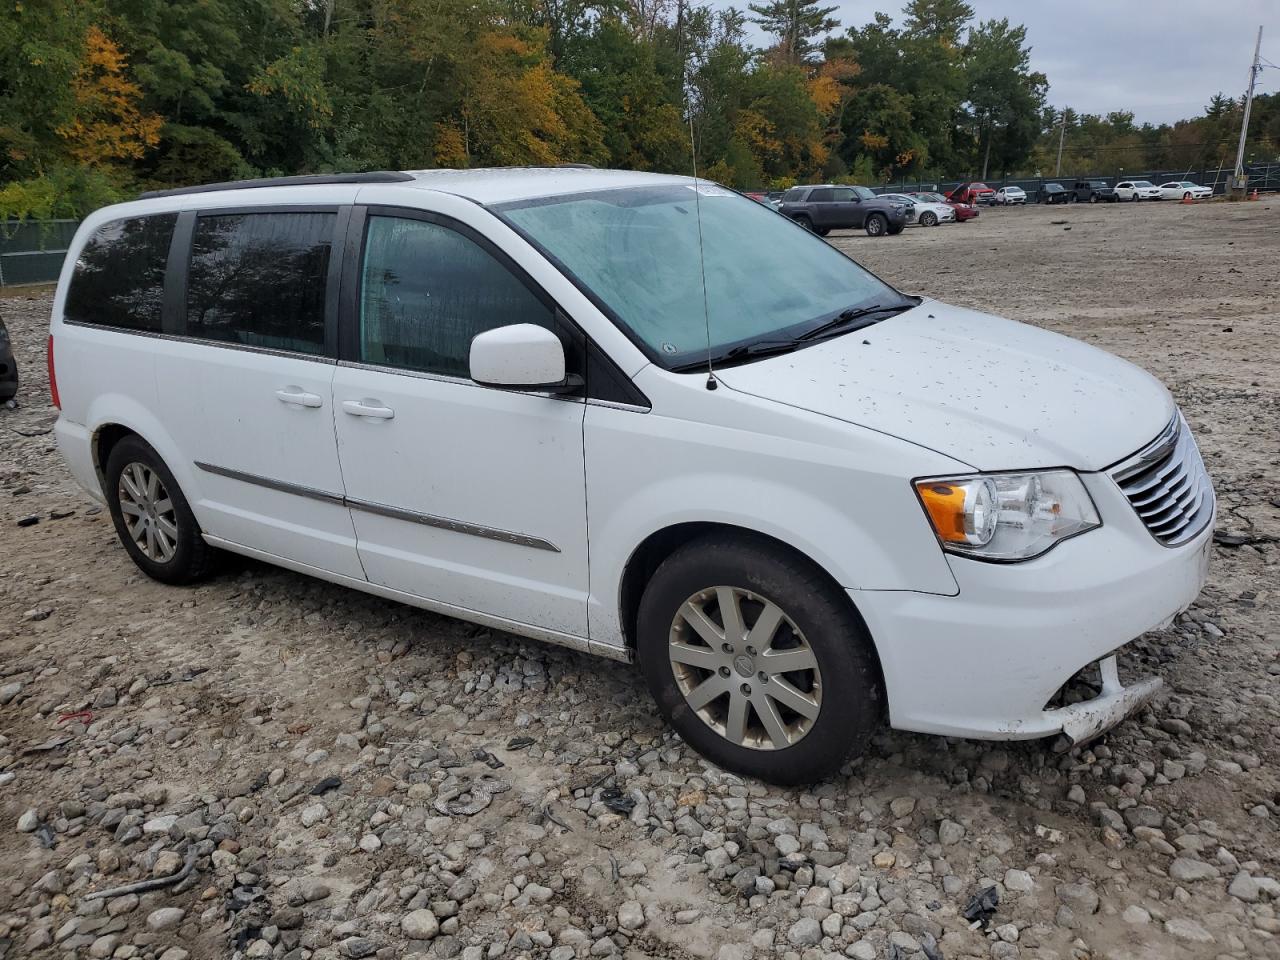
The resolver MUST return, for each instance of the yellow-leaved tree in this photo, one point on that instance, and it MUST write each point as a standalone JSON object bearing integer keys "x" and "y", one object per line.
{"x": 516, "y": 109}
{"x": 108, "y": 124}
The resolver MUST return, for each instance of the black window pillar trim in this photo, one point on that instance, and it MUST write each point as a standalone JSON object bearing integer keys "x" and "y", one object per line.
{"x": 173, "y": 310}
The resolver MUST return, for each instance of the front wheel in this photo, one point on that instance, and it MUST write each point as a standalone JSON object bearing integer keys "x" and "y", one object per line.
{"x": 152, "y": 517}
{"x": 928, "y": 219}
{"x": 1187, "y": 195}
{"x": 805, "y": 222}
{"x": 876, "y": 225}
{"x": 757, "y": 660}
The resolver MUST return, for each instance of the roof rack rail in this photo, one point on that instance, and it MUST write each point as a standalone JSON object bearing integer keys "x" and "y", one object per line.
{"x": 379, "y": 176}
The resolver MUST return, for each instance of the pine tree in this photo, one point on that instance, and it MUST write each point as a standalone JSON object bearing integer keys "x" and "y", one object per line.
{"x": 796, "y": 23}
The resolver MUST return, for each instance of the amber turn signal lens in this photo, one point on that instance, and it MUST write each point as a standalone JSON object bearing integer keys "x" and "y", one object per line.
{"x": 944, "y": 503}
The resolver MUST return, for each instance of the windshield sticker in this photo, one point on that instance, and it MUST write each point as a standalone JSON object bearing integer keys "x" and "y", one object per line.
{"x": 710, "y": 190}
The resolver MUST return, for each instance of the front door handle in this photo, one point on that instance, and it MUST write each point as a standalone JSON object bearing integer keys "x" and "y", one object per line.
{"x": 367, "y": 408}
{"x": 298, "y": 396}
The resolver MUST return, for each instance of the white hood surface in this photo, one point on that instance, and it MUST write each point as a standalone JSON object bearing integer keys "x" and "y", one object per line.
{"x": 989, "y": 392}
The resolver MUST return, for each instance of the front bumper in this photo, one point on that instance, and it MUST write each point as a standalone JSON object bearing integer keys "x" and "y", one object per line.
{"x": 986, "y": 662}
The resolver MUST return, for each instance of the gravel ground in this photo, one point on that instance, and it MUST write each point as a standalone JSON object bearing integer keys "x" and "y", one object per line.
{"x": 341, "y": 776}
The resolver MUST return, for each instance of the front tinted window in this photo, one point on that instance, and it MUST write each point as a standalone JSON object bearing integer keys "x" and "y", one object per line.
{"x": 259, "y": 279}
{"x": 427, "y": 290}
{"x": 119, "y": 276}
{"x": 638, "y": 250}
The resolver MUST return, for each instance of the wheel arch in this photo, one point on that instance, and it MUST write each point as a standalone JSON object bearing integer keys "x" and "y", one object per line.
{"x": 657, "y": 546}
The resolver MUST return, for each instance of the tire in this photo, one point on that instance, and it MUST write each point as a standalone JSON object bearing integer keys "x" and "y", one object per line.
{"x": 1134, "y": 197}
{"x": 1093, "y": 198}
{"x": 894, "y": 231}
{"x": 1187, "y": 195}
{"x": 928, "y": 219}
{"x": 838, "y": 687}
{"x": 805, "y": 222}
{"x": 823, "y": 232}
{"x": 877, "y": 225}
{"x": 165, "y": 543}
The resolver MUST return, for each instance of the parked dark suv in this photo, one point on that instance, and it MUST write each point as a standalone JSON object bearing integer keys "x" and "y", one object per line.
{"x": 1092, "y": 191}
{"x": 8, "y": 366}
{"x": 827, "y": 207}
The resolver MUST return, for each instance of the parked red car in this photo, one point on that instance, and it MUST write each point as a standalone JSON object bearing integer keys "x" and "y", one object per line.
{"x": 964, "y": 211}
{"x": 972, "y": 193}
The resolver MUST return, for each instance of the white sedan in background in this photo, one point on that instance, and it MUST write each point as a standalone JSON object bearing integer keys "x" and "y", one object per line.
{"x": 1137, "y": 190}
{"x": 923, "y": 212}
{"x": 1010, "y": 195}
{"x": 1183, "y": 190}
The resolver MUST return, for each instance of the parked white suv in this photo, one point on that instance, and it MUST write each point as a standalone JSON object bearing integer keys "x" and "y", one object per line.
{"x": 801, "y": 500}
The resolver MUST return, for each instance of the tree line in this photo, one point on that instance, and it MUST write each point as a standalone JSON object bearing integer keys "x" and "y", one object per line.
{"x": 102, "y": 98}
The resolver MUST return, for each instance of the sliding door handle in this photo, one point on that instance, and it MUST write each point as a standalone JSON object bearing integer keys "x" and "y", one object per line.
{"x": 367, "y": 408}
{"x": 298, "y": 397}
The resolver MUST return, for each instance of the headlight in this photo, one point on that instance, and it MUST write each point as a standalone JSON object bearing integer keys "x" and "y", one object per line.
{"x": 1007, "y": 516}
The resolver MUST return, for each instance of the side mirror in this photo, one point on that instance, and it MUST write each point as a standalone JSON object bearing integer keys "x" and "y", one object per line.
{"x": 521, "y": 356}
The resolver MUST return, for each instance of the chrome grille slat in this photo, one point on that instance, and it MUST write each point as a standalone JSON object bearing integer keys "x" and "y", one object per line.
{"x": 1167, "y": 486}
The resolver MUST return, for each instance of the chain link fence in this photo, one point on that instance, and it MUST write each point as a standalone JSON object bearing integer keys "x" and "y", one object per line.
{"x": 32, "y": 251}
{"x": 1264, "y": 177}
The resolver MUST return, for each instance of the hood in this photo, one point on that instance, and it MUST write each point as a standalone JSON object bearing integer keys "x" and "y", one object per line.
{"x": 991, "y": 393}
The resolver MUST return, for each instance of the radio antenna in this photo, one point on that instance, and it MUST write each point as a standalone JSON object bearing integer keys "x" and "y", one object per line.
{"x": 702, "y": 259}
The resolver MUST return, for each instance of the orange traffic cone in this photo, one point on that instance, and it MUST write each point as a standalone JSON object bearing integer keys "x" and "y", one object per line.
{"x": 1187, "y": 199}
{"x": 1254, "y": 195}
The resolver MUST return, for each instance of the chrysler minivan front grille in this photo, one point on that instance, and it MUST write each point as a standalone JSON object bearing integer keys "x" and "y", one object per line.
{"x": 1167, "y": 485}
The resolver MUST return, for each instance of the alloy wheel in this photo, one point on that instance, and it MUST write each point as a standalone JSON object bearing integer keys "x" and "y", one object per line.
{"x": 745, "y": 668}
{"x": 148, "y": 512}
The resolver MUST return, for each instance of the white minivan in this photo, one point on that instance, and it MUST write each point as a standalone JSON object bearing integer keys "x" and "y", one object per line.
{"x": 641, "y": 416}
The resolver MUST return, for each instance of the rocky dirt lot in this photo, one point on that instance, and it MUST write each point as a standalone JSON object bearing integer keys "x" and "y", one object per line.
{"x": 332, "y": 775}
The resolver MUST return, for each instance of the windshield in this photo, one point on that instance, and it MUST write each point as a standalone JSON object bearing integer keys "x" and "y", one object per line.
{"x": 1142, "y": 183}
{"x": 636, "y": 249}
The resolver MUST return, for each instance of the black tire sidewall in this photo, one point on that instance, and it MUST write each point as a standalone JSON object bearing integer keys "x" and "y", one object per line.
{"x": 190, "y": 555}
{"x": 852, "y": 702}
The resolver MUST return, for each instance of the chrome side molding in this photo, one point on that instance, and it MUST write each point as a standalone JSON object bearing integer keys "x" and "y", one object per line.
{"x": 378, "y": 509}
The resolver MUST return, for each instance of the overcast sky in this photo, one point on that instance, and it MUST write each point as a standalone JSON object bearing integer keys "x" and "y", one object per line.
{"x": 1103, "y": 55}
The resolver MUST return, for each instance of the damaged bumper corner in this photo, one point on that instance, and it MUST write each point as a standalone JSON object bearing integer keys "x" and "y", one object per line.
{"x": 1082, "y": 722}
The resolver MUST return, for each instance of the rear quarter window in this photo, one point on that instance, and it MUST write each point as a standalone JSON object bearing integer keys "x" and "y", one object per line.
{"x": 118, "y": 280}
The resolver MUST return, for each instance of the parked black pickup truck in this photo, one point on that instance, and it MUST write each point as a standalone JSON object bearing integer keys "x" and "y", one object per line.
{"x": 826, "y": 207}
{"x": 1092, "y": 191}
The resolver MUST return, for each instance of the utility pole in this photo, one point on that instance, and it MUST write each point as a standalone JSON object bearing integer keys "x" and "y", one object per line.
{"x": 1062, "y": 133}
{"x": 1254, "y": 69}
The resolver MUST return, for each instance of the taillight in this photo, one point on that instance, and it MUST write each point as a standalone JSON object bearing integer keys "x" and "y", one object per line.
{"x": 53, "y": 377}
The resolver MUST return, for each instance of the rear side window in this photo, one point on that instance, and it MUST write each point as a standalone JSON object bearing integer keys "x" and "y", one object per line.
{"x": 118, "y": 279}
{"x": 822, "y": 195}
{"x": 259, "y": 279}
{"x": 427, "y": 290}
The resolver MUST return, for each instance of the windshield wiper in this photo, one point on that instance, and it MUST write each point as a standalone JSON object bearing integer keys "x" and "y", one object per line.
{"x": 847, "y": 320}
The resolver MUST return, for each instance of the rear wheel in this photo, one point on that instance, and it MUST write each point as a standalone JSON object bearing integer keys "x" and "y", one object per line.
{"x": 823, "y": 231}
{"x": 877, "y": 225}
{"x": 757, "y": 660}
{"x": 928, "y": 219}
{"x": 152, "y": 517}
